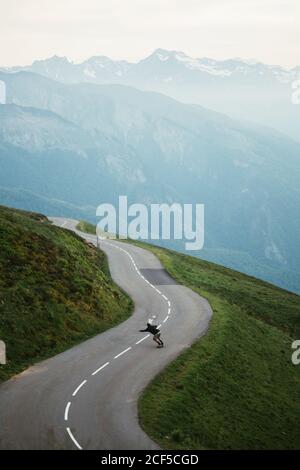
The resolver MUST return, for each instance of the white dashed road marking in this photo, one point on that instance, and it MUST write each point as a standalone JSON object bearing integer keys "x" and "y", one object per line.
{"x": 145, "y": 337}
{"x": 79, "y": 387}
{"x": 100, "y": 368}
{"x": 123, "y": 352}
{"x": 67, "y": 411}
{"x": 73, "y": 439}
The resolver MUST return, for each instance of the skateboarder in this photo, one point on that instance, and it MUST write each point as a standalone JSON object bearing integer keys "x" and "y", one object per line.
{"x": 156, "y": 334}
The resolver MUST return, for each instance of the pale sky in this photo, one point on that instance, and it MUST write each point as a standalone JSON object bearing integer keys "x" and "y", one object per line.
{"x": 266, "y": 30}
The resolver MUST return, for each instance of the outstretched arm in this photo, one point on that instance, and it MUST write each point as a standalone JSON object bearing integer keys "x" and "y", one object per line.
{"x": 142, "y": 331}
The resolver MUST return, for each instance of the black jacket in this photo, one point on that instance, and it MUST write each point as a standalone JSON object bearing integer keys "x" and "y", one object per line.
{"x": 152, "y": 329}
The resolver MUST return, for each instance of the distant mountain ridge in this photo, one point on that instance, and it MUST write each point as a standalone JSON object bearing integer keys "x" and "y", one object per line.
{"x": 97, "y": 69}
{"x": 243, "y": 89}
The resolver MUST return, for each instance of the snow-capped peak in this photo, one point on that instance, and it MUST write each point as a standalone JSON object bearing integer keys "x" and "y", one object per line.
{"x": 205, "y": 65}
{"x": 162, "y": 54}
{"x": 226, "y": 67}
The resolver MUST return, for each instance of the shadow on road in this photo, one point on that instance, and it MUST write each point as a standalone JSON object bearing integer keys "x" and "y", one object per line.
{"x": 158, "y": 277}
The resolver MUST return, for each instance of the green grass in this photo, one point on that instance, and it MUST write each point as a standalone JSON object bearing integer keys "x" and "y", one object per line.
{"x": 86, "y": 227}
{"x": 55, "y": 290}
{"x": 236, "y": 388}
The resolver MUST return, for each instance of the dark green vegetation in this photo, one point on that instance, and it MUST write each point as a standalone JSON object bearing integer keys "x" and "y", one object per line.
{"x": 86, "y": 227}
{"x": 236, "y": 388}
{"x": 55, "y": 290}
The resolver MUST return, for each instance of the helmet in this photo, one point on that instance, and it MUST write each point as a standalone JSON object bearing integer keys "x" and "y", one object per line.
{"x": 152, "y": 319}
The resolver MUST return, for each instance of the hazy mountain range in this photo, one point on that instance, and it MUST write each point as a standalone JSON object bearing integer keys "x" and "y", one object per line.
{"x": 65, "y": 148}
{"x": 241, "y": 88}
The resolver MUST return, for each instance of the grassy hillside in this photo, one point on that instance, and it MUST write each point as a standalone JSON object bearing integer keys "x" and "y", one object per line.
{"x": 55, "y": 290}
{"x": 86, "y": 227}
{"x": 236, "y": 388}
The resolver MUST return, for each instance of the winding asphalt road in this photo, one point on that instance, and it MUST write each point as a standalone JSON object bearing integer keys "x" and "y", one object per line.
{"x": 86, "y": 397}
